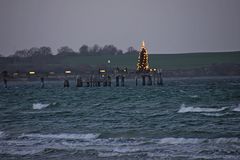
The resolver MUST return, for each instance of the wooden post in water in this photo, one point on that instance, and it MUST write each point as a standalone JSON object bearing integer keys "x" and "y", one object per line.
{"x": 5, "y": 82}
{"x": 143, "y": 80}
{"x": 105, "y": 83}
{"x": 88, "y": 84}
{"x": 122, "y": 81}
{"x": 5, "y": 75}
{"x": 66, "y": 83}
{"x": 42, "y": 82}
{"x": 79, "y": 82}
{"x": 117, "y": 81}
{"x": 161, "y": 80}
{"x": 149, "y": 80}
{"x": 136, "y": 80}
{"x": 154, "y": 79}
{"x": 109, "y": 80}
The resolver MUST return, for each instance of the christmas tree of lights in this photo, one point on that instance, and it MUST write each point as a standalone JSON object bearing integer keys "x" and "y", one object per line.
{"x": 142, "y": 65}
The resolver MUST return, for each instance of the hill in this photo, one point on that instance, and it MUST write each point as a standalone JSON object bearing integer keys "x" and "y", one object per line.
{"x": 81, "y": 63}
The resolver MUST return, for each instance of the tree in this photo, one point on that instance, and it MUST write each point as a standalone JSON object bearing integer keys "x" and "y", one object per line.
{"x": 119, "y": 52}
{"x": 65, "y": 50}
{"x": 109, "y": 50}
{"x": 34, "y": 51}
{"x": 131, "y": 50}
{"x": 45, "y": 51}
{"x": 83, "y": 50}
{"x": 95, "y": 49}
{"x": 21, "y": 53}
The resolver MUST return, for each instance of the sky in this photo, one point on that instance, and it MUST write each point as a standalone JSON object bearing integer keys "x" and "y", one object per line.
{"x": 167, "y": 26}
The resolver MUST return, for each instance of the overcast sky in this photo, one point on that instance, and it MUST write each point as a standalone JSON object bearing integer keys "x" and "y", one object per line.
{"x": 167, "y": 26}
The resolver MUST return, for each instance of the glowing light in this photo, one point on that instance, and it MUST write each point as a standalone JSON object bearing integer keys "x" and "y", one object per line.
{"x": 142, "y": 64}
{"x": 102, "y": 71}
{"x": 68, "y": 72}
{"x": 32, "y": 73}
{"x": 143, "y": 44}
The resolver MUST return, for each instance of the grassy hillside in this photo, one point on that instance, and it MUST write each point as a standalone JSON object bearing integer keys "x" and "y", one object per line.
{"x": 165, "y": 61}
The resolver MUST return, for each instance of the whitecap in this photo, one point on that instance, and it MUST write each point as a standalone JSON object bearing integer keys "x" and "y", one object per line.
{"x": 62, "y": 136}
{"x": 225, "y": 140}
{"x": 1, "y": 134}
{"x": 193, "y": 96}
{"x": 237, "y": 109}
{"x": 170, "y": 140}
{"x": 107, "y": 154}
{"x": 39, "y": 105}
{"x": 22, "y": 151}
{"x": 213, "y": 114}
{"x": 184, "y": 109}
{"x": 125, "y": 149}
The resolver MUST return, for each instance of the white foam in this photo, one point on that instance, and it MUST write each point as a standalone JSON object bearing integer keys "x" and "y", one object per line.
{"x": 39, "y": 105}
{"x": 225, "y": 140}
{"x": 62, "y": 136}
{"x": 171, "y": 140}
{"x": 1, "y": 133}
{"x": 237, "y": 109}
{"x": 213, "y": 114}
{"x": 184, "y": 109}
{"x": 125, "y": 149}
{"x": 194, "y": 96}
{"x": 22, "y": 152}
{"x": 107, "y": 154}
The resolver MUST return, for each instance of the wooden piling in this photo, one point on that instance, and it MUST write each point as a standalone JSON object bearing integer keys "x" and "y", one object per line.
{"x": 122, "y": 81}
{"x": 79, "y": 82}
{"x": 143, "y": 80}
{"x": 149, "y": 80}
{"x": 42, "y": 82}
{"x": 66, "y": 83}
{"x": 5, "y": 82}
{"x": 117, "y": 81}
{"x": 109, "y": 81}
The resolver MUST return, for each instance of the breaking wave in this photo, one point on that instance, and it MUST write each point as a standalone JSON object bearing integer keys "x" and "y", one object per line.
{"x": 237, "y": 109}
{"x": 193, "y": 96}
{"x": 1, "y": 134}
{"x": 62, "y": 136}
{"x": 42, "y": 105}
{"x": 213, "y": 114}
{"x": 39, "y": 105}
{"x": 184, "y": 109}
{"x": 30, "y": 144}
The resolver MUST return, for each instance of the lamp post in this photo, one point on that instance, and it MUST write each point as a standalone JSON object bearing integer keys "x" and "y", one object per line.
{"x": 109, "y": 65}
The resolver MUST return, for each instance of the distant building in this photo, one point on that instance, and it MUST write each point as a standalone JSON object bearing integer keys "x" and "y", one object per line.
{"x": 143, "y": 65}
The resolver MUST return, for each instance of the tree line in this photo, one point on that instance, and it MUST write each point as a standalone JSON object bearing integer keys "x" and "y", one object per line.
{"x": 67, "y": 51}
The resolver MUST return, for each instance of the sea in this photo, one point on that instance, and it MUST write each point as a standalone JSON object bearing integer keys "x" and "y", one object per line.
{"x": 185, "y": 119}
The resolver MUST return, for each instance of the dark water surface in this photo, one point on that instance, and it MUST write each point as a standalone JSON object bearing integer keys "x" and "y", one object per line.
{"x": 184, "y": 119}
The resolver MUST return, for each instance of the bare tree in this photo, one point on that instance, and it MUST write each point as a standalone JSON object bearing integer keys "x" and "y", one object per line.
{"x": 84, "y": 49}
{"x": 65, "y": 50}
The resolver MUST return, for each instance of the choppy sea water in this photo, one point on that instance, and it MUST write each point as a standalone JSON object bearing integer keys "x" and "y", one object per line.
{"x": 184, "y": 119}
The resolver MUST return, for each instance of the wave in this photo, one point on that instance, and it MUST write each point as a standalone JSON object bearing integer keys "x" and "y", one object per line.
{"x": 193, "y": 96}
{"x": 39, "y": 105}
{"x": 213, "y": 114}
{"x": 184, "y": 109}
{"x": 62, "y": 136}
{"x": 109, "y": 147}
{"x": 171, "y": 140}
{"x": 236, "y": 109}
{"x": 1, "y": 134}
